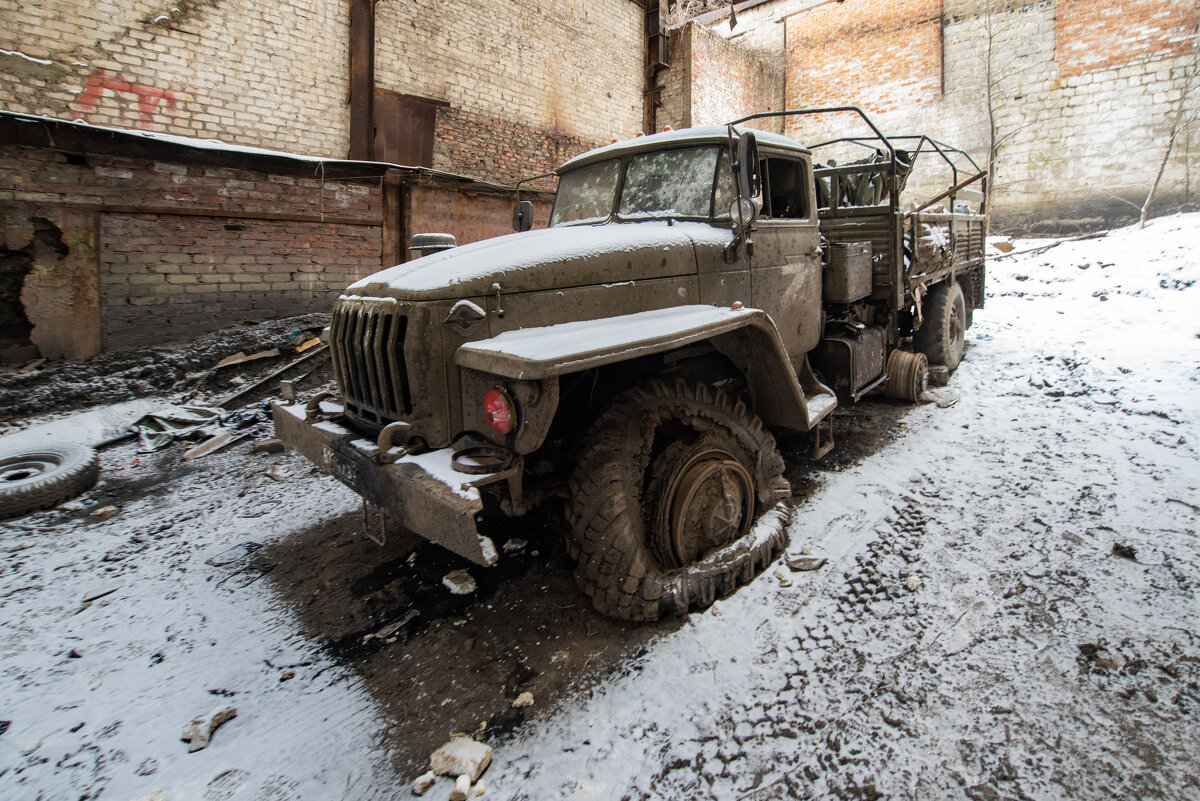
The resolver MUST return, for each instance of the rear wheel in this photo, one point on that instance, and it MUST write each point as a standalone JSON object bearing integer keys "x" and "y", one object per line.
{"x": 942, "y": 336}
{"x": 665, "y": 499}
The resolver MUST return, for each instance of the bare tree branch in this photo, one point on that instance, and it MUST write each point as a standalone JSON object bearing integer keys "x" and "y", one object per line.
{"x": 1179, "y": 124}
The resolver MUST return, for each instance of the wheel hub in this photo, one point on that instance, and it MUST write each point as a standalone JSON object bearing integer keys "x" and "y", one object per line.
{"x": 711, "y": 504}
{"x": 14, "y": 471}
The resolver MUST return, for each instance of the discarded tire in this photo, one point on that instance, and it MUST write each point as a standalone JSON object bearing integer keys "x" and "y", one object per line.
{"x": 942, "y": 336}
{"x": 43, "y": 476}
{"x": 665, "y": 497}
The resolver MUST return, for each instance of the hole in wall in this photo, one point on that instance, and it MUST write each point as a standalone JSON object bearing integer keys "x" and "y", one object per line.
{"x": 46, "y": 244}
{"x": 76, "y": 159}
{"x": 15, "y": 266}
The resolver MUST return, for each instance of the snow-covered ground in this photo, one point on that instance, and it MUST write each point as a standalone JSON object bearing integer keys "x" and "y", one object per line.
{"x": 1031, "y": 659}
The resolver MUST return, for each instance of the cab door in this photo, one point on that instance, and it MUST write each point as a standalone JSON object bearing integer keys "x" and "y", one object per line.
{"x": 786, "y": 262}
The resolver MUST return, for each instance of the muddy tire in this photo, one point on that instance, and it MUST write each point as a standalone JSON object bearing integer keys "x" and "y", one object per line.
{"x": 665, "y": 498}
{"x": 43, "y": 476}
{"x": 942, "y": 336}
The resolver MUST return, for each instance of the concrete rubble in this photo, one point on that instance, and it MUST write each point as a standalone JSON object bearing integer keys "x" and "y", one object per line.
{"x": 461, "y": 756}
{"x": 459, "y": 582}
{"x": 462, "y": 788}
{"x": 199, "y": 732}
{"x": 422, "y": 783}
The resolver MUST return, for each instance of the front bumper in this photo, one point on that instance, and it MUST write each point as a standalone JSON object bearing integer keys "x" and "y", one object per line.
{"x": 424, "y": 492}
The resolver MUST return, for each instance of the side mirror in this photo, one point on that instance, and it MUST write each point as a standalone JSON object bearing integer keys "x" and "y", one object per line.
{"x": 523, "y": 215}
{"x": 746, "y": 167}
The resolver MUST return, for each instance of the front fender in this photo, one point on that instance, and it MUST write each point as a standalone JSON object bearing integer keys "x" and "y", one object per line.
{"x": 747, "y": 336}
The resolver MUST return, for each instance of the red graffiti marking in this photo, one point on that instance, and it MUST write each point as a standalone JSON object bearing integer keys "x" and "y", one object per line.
{"x": 149, "y": 98}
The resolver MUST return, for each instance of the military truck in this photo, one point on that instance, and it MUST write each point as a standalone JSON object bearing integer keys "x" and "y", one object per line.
{"x": 694, "y": 291}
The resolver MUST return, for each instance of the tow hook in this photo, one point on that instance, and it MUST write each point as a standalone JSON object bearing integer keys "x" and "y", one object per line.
{"x": 388, "y": 452}
{"x": 312, "y": 409}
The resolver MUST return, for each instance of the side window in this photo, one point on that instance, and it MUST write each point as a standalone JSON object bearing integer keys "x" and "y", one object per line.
{"x": 785, "y": 189}
{"x": 724, "y": 191}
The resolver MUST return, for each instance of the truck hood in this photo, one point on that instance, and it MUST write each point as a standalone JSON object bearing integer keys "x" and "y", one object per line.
{"x": 550, "y": 258}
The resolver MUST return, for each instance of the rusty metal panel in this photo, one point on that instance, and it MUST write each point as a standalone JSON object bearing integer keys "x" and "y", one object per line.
{"x": 362, "y": 77}
{"x": 404, "y": 128}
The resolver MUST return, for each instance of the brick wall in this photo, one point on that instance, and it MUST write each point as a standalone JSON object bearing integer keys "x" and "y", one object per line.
{"x": 1082, "y": 93}
{"x": 1093, "y": 35}
{"x": 267, "y": 74}
{"x": 502, "y": 150}
{"x": 118, "y": 250}
{"x": 713, "y": 80}
{"x": 879, "y": 54}
{"x": 730, "y": 82}
{"x": 178, "y": 248}
{"x": 172, "y": 276}
{"x": 528, "y": 83}
{"x": 531, "y": 82}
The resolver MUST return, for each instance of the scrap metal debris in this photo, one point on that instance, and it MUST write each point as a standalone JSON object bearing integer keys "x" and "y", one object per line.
{"x": 390, "y": 629}
{"x": 159, "y": 429}
{"x": 804, "y": 563}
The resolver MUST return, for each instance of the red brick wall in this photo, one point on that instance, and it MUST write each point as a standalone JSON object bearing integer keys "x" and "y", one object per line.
{"x": 878, "y": 54}
{"x": 499, "y": 150}
{"x": 45, "y": 175}
{"x": 469, "y": 217}
{"x": 728, "y": 82}
{"x": 1096, "y": 34}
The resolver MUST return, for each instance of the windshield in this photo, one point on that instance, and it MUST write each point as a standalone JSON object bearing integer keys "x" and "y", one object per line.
{"x": 663, "y": 183}
{"x": 586, "y": 194}
{"x": 670, "y": 183}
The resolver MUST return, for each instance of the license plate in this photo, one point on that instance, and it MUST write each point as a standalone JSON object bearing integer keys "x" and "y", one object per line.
{"x": 342, "y": 468}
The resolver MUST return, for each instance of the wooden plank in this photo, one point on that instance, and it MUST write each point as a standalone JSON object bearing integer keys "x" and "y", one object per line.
{"x": 213, "y": 445}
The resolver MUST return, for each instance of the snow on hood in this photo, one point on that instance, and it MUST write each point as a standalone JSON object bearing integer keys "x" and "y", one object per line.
{"x": 551, "y": 257}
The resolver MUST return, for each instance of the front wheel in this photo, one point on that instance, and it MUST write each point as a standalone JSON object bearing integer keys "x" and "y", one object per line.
{"x": 668, "y": 501}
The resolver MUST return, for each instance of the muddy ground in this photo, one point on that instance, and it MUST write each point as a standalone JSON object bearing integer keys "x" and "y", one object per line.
{"x": 1008, "y": 611}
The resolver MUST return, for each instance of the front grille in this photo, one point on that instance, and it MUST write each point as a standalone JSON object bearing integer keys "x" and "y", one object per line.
{"x": 366, "y": 337}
